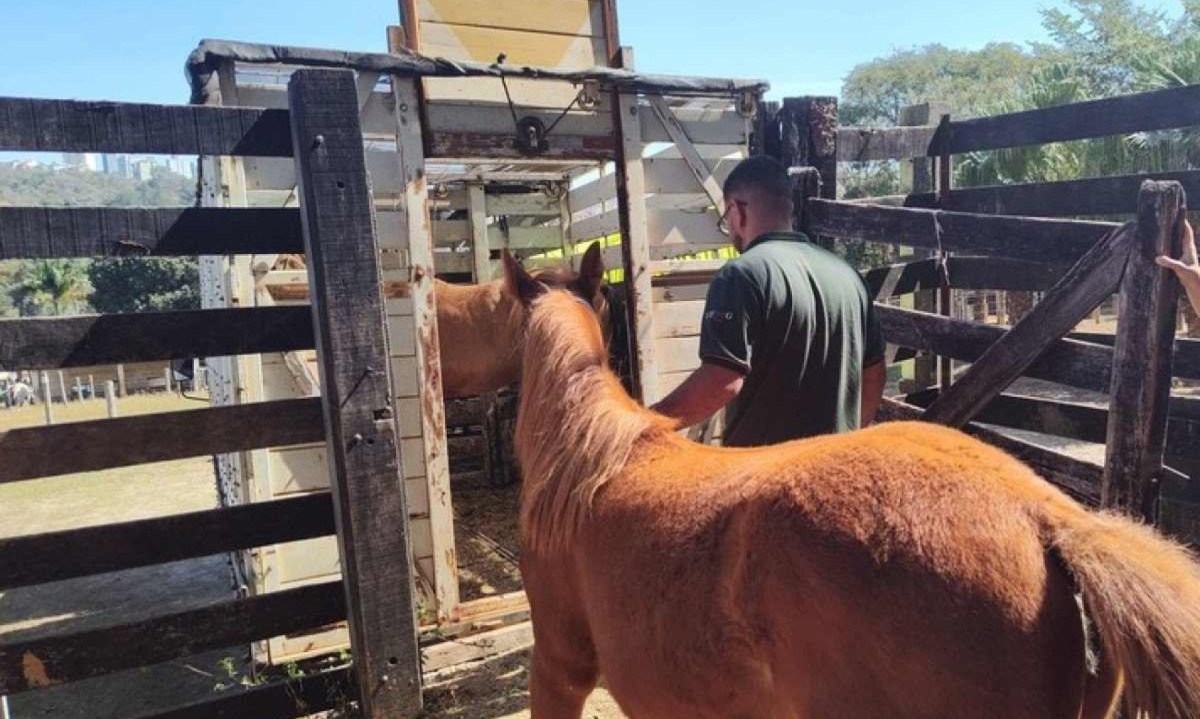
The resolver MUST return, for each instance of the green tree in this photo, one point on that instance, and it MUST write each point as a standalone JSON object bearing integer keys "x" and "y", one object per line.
{"x": 969, "y": 81}
{"x": 50, "y": 287}
{"x": 145, "y": 284}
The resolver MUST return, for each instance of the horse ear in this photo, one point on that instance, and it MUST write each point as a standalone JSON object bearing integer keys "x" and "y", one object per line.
{"x": 591, "y": 271}
{"x": 517, "y": 281}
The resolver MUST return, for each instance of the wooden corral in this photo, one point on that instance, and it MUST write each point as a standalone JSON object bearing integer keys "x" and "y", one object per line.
{"x": 482, "y": 193}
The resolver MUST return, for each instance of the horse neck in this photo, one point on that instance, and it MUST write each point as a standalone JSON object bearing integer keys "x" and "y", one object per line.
{"x": 576, "y": 426}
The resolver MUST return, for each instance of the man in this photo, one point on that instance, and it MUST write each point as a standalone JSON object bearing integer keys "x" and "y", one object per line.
{"x": 788, "y": 338}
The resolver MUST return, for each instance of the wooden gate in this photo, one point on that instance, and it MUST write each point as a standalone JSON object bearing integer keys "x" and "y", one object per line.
{"x": 354, "y": 416}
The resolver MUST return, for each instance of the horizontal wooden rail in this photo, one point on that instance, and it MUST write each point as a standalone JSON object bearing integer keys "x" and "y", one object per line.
{"x": 966, "y": 273}
{"x": 1024, "y": 238}
{"x": 45, "y": 451}
{"x": 49, "y": 343}
{"x": 1002, "y": 273}
{"x": 1069, "y": 362}
{"x": 54, "y": 556}
{"x": 1185, "y": 364}
{"x": 28, "y": 124}
{"x": 861, "y": 144}
{"x": 1143, "y": 112}
{"x": 1116, "y": 195}
{"x": 901, "y": 279}
{"x": 300, "y": 697}
{"x": 1074, "y": 420}
{"x": 37, "y": 663}
{"x": 1077, "y": 478}
{"x": 36, "y": 232}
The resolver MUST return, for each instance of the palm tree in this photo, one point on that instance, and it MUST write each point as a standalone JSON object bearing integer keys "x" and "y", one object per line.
{"x": 50, "y": 287}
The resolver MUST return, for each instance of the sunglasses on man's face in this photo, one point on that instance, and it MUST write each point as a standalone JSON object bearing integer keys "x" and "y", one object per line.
{"x": 722, "y": 223}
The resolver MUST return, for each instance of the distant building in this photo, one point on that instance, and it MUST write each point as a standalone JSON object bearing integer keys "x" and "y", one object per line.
{"x": 114, "y": 164}
{"x": 89, "y": 161}
{"x": 142, "y": 169}
{"x": 185, "y": 166}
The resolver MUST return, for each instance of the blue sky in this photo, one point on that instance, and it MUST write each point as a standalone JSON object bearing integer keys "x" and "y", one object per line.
{"x": 134, "y": 49}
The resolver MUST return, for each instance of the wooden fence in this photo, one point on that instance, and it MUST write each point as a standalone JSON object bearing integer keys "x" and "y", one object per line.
{"x": 1015, "y": 238}
{"x": 354, "y": 416}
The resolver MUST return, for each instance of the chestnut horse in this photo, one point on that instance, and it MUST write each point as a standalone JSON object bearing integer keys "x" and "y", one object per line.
{"x": 480, "y": 326}
{"x": 902, "y": 571}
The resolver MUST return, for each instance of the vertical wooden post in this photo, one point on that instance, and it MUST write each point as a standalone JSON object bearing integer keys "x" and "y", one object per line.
{"x": 415, "y": 242}
{"x": 564, "y": 223}
{"x": 91, "y": 387}
{"x": 110, "y": 398}
{"x": 47, "y": 399}
{"x": 78, "y": 387}
{"x": 944, "y": 180}
{"x": 635, "y": 238}
{"x": 121, "y": 389}
{"x": 480, "y": 250}
{"x": 62, "y": 387}
{"x": 808, "y": 138}
{"x": 765, "y": 138}
{"x": 360, "y": 423}
{"x": 167, "y": 379}
{"x": 1142, "y": 355}
{"x": 921, "y": 179}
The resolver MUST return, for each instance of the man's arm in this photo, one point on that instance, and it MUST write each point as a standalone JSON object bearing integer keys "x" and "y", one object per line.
{"x": 701, "y": 395}
{"x": 873, "y": 380}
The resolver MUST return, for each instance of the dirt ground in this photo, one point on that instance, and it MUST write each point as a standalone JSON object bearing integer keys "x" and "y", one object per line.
{"x": 487, "y": 547}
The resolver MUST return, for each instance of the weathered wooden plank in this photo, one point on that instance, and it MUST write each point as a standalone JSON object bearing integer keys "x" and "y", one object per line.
{"x": 1143, "y": 112}
{"x": 688, "y": 152}
{"x": 885, "y": 282}
{"x": 1186, "y": 361}
{"x": 124, "y": 441}
{"x": 38, "y": 663}
{"x": 525, "y": 238}
{"x": 567, "y": 17}
{"x": 302, "y": 696}
{"x": 1070, "y": 362}
{"x": 1092, "y": 279}
{"x": 1142, "y": 354}
{"x": 1116, "y": 195}
{"x": 1002, "y": 273}
{"x": 37, "y": 232}
{"x": 703, "y": 126}
{"x": 348, "y": 313}
{"x": 861, "y": 144}
{"x": 1079, "y": 479}
{"x": 809, "y": 139}
{"x": 496, "y": 118}
{"x": 664, "y": 227}
{"x": 1042, "y": 240}
{"x": 480, "y": 244}
{"x": 631, "y": 190}
{"x": 528, "y": 203}
{"x": 54, "y": 556}
{"x": 49, "y": 343}
{"x": 429, "y": 450}
{"x": 32, "y": 125}
{"x": 1075, "y": 420}
{"x": 464, "y": 145}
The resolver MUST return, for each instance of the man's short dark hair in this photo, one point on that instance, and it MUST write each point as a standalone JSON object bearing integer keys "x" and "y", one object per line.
{"x": 765, "y": 178}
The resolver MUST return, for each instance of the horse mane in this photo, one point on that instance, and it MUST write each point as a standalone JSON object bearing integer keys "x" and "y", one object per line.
{"x": 576, "y": 426}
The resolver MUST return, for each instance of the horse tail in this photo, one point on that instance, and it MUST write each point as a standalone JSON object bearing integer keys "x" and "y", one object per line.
{"x": 1142, "y": 592}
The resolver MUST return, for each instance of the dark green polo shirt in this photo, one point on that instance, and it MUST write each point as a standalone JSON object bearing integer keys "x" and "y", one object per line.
{"x": 798, "y": 322}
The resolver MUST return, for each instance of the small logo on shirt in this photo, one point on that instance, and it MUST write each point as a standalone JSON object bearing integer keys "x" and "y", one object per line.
{"x": 718, "y": 315}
